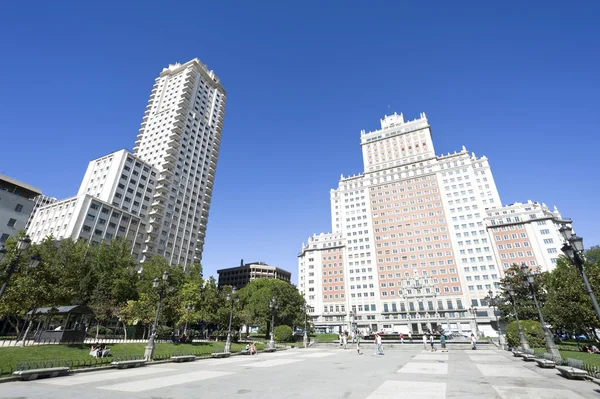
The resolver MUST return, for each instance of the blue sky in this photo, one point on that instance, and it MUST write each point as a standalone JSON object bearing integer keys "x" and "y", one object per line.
{"x": 515, "y": 81}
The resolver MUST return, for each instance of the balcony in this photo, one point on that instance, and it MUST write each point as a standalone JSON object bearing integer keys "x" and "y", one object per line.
{"x": 161, "y": 188}
{"x": 154, "y": 212}
{"x": 158, "y": 204}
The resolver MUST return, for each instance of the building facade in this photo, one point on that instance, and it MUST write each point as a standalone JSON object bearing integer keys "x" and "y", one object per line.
{"x": 39, "y": 201}
{"x": 239, "y": 276}
{"x": 180, "y": 135}
{"x": 159, "y": 196}
{"x": 17, "y": 200}
{"x": 410, "y": 248}
{"x": 526, "y": 232}
{"x": 114, "y": 200}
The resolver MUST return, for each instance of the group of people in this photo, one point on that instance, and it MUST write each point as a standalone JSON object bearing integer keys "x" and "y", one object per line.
{"x": 98, "y": 350}
{"x": 590, "y": 349}
{"x": 251, "y": 348}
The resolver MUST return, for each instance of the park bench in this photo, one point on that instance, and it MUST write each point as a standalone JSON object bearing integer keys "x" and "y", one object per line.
{"x": 244, "y": 352}
{"x": 548, "y": 361}
{"x": 218, "y": 355}
{"x": 573, "y": 370}
{"x": 268, "y": 350}
{"x": 183, "y": 358}
{"x": 28, "y": 375}
{"x": 528, "y": 355}
{"x": 125, "y": 364}
{"x": 517, "y": 352}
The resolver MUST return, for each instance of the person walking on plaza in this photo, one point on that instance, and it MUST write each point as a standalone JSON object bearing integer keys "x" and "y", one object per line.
{"x": 432, "y": 342}
{"x": 358, "y": 343}
{"x": 473, "y": 342}
{"x": 425, "y": 341}
{"x": 345, "y": 339}
{"x": 410, "y": 336}
{"x": 443, "y": 341}
{"x": 402, "y": 338}
{"x": 378, "y": 350}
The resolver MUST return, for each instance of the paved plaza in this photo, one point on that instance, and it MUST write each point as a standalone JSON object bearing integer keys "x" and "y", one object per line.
{"x": 321, "y": 373}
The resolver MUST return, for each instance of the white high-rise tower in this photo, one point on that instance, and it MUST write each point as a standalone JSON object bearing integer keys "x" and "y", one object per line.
{"x": 180, "y": 135}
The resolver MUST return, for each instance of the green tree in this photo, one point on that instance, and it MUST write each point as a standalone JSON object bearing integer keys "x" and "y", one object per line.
{"x": 523, "y": 299}
{"x": 111, "y": 279}
{"x": 534, "y": 333}
{"x": 568, "y": 306}
{"x": 256, "y": 296}
{"x": 283, "y": 333}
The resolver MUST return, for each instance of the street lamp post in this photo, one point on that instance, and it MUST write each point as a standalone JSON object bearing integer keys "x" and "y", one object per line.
{"x": 233, "y": 298}
{"x": 474, "y": 313}
{"x": 511, "y": 293}
{"x": 529, "y": 279}
{"x": 22, "y": 245}
{"x": 493, "y": 302}
{"x": 188, "y": 308}
{"x": 573, "y": 249}
{"x": 161, "y": 287}
{"x": 305, "y": 338}
{"x": 273, "y": 307}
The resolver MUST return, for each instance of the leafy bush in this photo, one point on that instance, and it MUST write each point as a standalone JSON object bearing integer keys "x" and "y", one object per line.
{"x": 534, "y": 333}
{"x": 283, "y": 334}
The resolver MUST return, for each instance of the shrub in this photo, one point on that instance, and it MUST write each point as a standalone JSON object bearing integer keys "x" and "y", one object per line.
{"x": 283, "y": 333}
{"x": 534, "y": 333}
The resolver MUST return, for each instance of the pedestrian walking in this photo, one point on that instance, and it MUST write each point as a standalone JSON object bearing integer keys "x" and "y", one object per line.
{"x": 410, "y": 336}
{"x": 378, "y": 344}
{"x": 358, "y": 343}
{"x": 425, "y": 341}
{"x": 443, "y": 341}
{"x": 473, "y": 342}
{"x": 402, "y": 338}
{"x": 432, "y": 342}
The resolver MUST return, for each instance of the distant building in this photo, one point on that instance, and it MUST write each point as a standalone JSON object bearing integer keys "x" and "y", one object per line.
{"x": 16, "y": 204}
{"x": 239, "y": 276}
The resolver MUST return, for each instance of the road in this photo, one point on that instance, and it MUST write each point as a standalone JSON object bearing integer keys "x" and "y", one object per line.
{"x": 320, "y": 373}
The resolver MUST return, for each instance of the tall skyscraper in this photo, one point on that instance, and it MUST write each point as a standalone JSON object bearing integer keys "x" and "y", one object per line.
{"x": 180, "y": 135}
{"x": 409, "y": 249}
{"x": 159, "y": 197}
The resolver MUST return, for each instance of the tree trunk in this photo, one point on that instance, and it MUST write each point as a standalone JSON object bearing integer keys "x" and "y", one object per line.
{"x": 16, "y": 325}
{"x": 124, "y": 330}
{"x": 97, "y": 329}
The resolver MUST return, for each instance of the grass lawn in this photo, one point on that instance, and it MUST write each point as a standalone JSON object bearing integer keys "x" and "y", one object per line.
{"x": 326, "y": 337}
{"x": 588, "y": 358}
{"x": 12, "y": 356}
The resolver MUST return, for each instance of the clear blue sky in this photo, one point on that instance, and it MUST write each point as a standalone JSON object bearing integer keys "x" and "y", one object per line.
{"x": 518, "y": 82}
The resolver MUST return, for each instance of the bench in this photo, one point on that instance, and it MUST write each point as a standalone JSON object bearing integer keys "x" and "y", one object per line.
{"x": 528, "y": 355}
{"x": 244, "y": 352}
{"x": 517, "y": 353}
{"x": 573, "y": 370}
{"x": 548, "y": 361}
{"x": 28, "y": 375}
{"x": 125, "y": 364}
{"x": 268, "y": 350}
{"x": 218, "y": 355}
{"x": 183, "y": 358}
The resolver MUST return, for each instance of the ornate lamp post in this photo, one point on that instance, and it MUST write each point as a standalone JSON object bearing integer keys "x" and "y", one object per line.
{"x": 473, "y": 311}
{"x": 305, "y": 338}
{"x": 161, "y": 287}
{"x": 573, "y": 249}
{"x": 529, "y": 279}
{"x": 234, "y": 299}
{"x": 493, "y": 302}
{"x": 273, "y": 307}
{"x": 511, "y": 294}
{"x": 188, "y": 308}
{"x": 22, "y": 246}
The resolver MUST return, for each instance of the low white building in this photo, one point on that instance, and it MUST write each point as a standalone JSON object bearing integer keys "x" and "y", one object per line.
{"x": 114, "y": 200}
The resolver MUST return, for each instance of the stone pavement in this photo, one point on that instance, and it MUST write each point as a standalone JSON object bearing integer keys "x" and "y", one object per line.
{"x": 321, "y": 373}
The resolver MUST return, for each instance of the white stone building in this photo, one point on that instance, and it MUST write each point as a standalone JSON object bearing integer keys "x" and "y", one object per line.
{"x": 114, "y": 200}
{"x": 414, "y": 233}
{"x": 526, "y": 232}
{"x": 180, "y": 135}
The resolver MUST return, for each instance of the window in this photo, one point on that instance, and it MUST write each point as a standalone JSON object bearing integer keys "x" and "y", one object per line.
{"x": 11, "y": 222}
{"x": 19, "y": 208}
{"x": 4, "y": 237}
